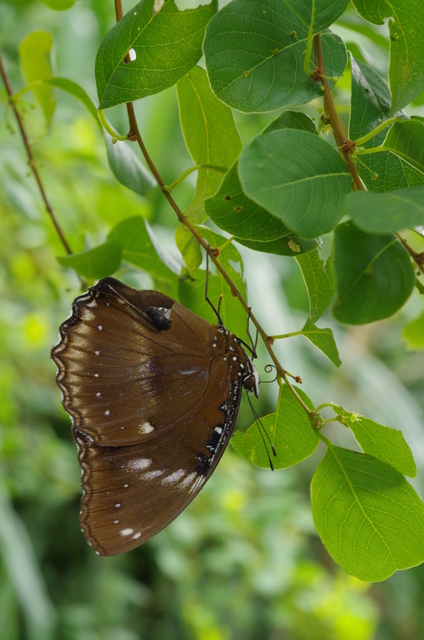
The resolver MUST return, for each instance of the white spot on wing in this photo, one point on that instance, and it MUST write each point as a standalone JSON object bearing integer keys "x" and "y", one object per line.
{"x": 146, "y": 427}
{"x": 174, "y": 477}
{"x": 100, "y": 328}
{"x": 117, "y": 505}
{"x": 126, "y": 532}
{"x": 107, "y": 413}
{"x": 188, "y": 481}
{"x": 140, "y": 464}
{"x": 137, "y": 535}
{"x": 151, "y": 475}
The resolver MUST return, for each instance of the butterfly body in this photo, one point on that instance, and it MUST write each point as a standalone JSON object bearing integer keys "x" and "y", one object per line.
{"x": 153, "y": 392}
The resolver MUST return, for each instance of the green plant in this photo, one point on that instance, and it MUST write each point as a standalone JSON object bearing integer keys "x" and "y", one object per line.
{"x": 278, "y": 195}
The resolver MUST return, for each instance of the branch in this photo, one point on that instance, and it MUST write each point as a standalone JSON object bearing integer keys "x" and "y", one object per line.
{"x": 31, "y": 159}
{"x": 418, "y": 258}
{"x": 341, "y": 139}
{"x": 134, "y": 134}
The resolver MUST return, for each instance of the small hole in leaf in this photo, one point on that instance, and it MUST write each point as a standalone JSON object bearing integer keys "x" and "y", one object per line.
{"x": 130, "y": 57}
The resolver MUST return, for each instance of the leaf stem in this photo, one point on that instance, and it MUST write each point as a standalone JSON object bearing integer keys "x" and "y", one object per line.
{"x": 190, "y": 170}
{"x": 31, "y": 160}
{"x": 387, "y": 123}
{"x": 419, "y": 285}
{"x": 339, "y": 135}
{"x": 108, "y": 127}
{"x": 418, "y": 258}
{"x": 281, "y": 336}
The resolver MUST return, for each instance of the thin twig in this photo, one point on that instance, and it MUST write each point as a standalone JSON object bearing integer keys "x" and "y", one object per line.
{"x": 418, "y": 258}
{"x": 31, "y": 159}
{"x": 330, "y": 109}
{"x": 134, "y": 134}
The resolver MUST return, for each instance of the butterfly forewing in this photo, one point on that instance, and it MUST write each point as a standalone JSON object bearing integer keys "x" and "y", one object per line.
{"x": 153, "y": 391}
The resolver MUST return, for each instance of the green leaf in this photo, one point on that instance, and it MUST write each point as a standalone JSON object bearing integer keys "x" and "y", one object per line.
{"x": 383, "y": 170}
{"x": 298, "y": 177}
{"x": 368, "y": 516}
{"x": 374, "y": 275}
{"x": 323, "y": 339}
{"x": 413, "y": 333}
{"x": 291, "y": 120}
{"x": 231, "y": 210}
{"x": 141, "y": 248}
{"x": 386, "y": 212}
{"x": 379, "y": 441}
{"x": 192, "y": 288}
{"x": 35, "y": 56}
{"x": 127, "y": 168}
{"x": 254, "y": 53}
{"x": 292, "y": 245}
{"x": 290, "y": 432}
{"x": 210, "y": 134}
{"x": 320, "y": 283}
{"x": 406, "y": 140}
{"x": 95, "y": 263}
{"x": 263, "y": 70}
{"x": 167, "y": 44}
{"x": 406, "y": 70}
{"x": 59, "y": 5}
{"x": 189, "y": 247}
{"x": 78, "y": 92}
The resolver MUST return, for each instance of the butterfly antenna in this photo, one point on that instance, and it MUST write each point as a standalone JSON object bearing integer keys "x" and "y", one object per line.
{"x": 262, "y": 430}
{"x": 216, "y": 311}
{"x": 255, "y": 343}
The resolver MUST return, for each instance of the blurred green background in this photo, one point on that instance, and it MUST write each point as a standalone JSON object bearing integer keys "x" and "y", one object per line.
{"x": 243, "y": 561}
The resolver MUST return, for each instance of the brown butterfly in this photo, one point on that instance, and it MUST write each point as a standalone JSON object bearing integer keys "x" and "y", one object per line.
{"x": 153, "y": 391}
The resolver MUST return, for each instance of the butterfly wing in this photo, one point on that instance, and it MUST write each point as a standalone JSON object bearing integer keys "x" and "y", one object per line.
{"x": 133, "y": 492}
{"x": 153, "y": 398}
{"x": 122, "y": 378}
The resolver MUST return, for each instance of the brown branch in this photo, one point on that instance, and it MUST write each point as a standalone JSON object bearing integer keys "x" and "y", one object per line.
{"x": 339, "y": 135}
{"x": 31, "y": 159}
{"x": 418, "y": 258}
{"x": 134, "y": 134}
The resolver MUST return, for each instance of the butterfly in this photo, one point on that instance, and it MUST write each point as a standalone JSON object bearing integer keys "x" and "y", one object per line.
{"x": 153, "y": 392}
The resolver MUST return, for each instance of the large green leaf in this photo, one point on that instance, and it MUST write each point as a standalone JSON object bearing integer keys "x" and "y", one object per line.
{"x": 166, "y": 44}
{"x": 379, "y": 441}
{"x": 290, "y": 432}
{"x": 368, "y": 516}
{"x": 406, "y": 70}
{"x": 188, "y": 246}
{"x": 192, "y": 288}
{"x": 127, "y": 168}
{"x": 374, "y": 275}
{"x": 320, "y": 283}
{"x": 254, "y": 52}
{"x": 323, "y": 339}
{"x": 230, "y": 209}
{"x": 100, "y": 262}
{"x": 210, "y": 134}
{"x": 298, "y": 177}
{"x": 386, "y": 212}
{"x": 35, "y": 56}
{"x": 141, "y": 248}
{"x": 406, "y": 140}
{"x": 383, "y": 170}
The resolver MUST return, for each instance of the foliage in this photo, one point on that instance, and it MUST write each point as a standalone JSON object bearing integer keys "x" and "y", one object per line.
{"x": 276, "y": 182}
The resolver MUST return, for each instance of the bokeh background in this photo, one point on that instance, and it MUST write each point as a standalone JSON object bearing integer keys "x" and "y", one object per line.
{"x": 243, "y": 561}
